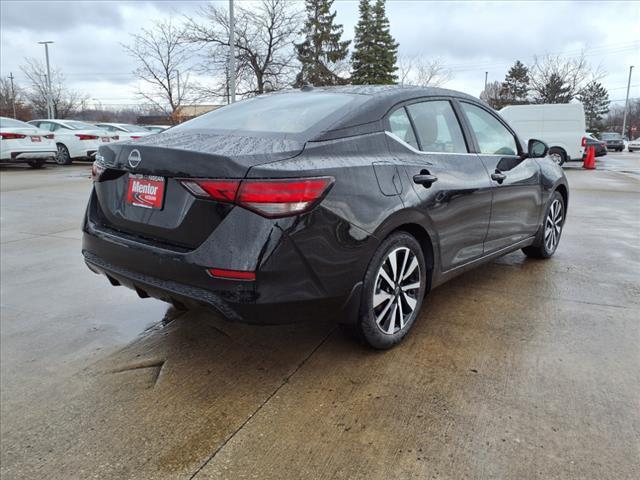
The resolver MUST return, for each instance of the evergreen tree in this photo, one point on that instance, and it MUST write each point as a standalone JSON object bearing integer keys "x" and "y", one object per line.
{"x": 375, "y": 50}
{"x": 595, "y": 100}
{"x": 386, "y": 46}
{"x": 362, "y": 60}
{"x": 322, "y": 48}
{"x": 555, "y": 90}
{"x": 516, "y": 84}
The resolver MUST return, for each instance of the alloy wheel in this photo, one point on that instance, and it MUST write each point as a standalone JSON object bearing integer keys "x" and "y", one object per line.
{"x": 553, "y": 225}
{"x": 395, "y": 290}
{"x": 63, "y": 155}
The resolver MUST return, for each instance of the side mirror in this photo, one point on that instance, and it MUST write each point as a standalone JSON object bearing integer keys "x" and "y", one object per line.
{"x": 537, "y": 148}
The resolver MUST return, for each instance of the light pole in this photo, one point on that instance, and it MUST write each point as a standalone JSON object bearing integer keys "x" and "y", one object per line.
{"x": 626, "y": 104}
{"x": 232, "y": 54}
{"x": 486, "y": 77}
{"x": 49, "y": 94}
{"x": 13, "y": 95}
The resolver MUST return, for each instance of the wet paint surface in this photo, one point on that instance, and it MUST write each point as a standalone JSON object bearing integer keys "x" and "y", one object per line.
{"x": 519, "y": 369}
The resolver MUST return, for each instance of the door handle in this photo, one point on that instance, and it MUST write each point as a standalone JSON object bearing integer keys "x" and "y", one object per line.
{"x": 425, "y": 179}
{"x": 498, "y": 176}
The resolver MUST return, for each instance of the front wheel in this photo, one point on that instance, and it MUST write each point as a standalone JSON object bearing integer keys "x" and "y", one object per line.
{"x": 549, "y": 234}
{"x": 394, "y": 287}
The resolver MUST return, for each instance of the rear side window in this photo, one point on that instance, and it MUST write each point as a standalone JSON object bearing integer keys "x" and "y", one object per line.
{"x": 401, "y": 127}
{"x": 493, "y": 137}
{"x": 437, "y": 127}
{"x": 276, "y": 113}
{"x": 48, "y": 126}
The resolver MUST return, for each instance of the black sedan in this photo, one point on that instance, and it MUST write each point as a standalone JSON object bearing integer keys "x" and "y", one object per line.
{"x": 346, "y": 202}
{"x": 614, "y": 141}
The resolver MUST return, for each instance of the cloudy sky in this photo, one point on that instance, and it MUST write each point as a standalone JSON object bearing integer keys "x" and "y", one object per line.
{"x": 470, "y": 37}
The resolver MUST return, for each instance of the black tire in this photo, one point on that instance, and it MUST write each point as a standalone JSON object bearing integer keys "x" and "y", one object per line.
{"x": 557, "y": 155}
{"x": 37, "y": 163}
{"x": 63, "y": 157}
{"x": 404, "y": 248}
{"x": 542, "y": 247}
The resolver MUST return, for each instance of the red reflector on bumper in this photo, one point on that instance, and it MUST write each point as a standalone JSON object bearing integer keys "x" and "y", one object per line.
{"x": 231, "y": 274}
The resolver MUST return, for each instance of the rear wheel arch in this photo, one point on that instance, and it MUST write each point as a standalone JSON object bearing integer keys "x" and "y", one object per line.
{"x": 562, "y": 189}
{"x": 420, "y": 234}
{"x": 424, "y": 238}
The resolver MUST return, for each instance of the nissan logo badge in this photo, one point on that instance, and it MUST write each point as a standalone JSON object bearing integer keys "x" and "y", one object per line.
{"x": 134, "y": 158}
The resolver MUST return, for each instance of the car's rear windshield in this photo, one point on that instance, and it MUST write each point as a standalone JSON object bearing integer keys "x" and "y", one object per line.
{"x": 11, "y": 123}
{"x": 611, "y": 136}
{"x": 283, "y": 113}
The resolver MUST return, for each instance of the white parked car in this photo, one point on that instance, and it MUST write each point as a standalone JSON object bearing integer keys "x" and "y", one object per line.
{"x": 561, "y": 126}
{"x": 21, "y": 142}
{"x": 74, "y": 139}
{"x": 634, "y": 145}
{"x": 125, "y": 131}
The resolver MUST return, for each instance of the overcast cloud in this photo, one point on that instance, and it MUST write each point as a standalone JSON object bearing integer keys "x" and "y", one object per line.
{"x": 469, "y": 37}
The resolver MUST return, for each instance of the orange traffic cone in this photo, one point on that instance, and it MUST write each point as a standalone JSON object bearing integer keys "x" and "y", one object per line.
{"x": 590, "y": 160}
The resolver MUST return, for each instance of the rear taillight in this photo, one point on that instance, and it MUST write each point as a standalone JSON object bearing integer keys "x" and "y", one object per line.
{"x": 83, "y": 136}
{"x": 11, "y": 136}
{"x": 280, "y": 198}
{"x": 584, "y": 141}
{"x": 220, "y": 190}
{"x": 271, "y": 198}
{"x": 49, "y": 137}
{"x": 135, "y": 137}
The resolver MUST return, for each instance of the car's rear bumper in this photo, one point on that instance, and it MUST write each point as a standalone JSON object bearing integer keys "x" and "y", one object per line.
{"x": 26, "y": 156}
{"x": 275, "y": 297}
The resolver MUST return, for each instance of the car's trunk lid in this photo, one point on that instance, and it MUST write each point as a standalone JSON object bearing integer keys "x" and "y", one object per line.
{"x": 183, "y": 220}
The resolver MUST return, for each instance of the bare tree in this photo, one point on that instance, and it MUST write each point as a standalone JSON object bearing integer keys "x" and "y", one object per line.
{"x": 8, "y": 97}
{"x": 164, "y": 58}
{"x": 495, "y": 95}
{"x": 418, "y": 70}
{"x": 65, "y": 101}
{"x": 555, "y": 72}
{"x": 265, "y": 58}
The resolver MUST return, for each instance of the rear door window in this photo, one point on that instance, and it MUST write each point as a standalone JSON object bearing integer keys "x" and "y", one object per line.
{"x": 401, "y": 127}
{"x": 437, "y": 127}
{"x": 492, "y": 136}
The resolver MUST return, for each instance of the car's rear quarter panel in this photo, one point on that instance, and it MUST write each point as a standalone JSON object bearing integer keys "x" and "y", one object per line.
{"x": 336, "y": 239}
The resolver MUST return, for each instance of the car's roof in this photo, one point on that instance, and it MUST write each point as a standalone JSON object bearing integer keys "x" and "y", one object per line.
{"x": 382, "y": 98}
{"x": 387, "y": 93}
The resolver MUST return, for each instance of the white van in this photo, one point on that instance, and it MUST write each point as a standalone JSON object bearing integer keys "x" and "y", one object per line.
{"x": 561, "y": 126}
